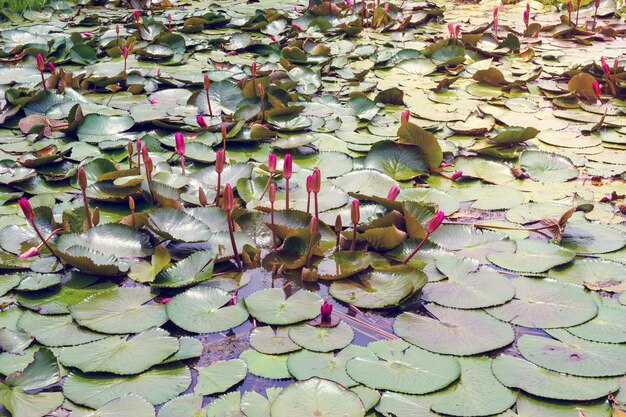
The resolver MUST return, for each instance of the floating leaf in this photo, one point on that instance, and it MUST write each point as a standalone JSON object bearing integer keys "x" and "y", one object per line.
{"x": 322, "y": 339}
{"x": 220, "y": 376}
{"x": 532, "y": 256}
{"x": 272, "y": 306}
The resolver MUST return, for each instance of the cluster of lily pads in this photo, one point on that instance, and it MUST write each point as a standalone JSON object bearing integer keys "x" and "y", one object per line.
{"x": 334, "y": 209}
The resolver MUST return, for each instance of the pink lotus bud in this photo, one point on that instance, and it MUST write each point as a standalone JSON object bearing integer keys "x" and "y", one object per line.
{"x": 316, "y": 180}
{"x": 451, "y": 29}
{"x": 273, "y": 193}
{"x": 41, "y": 66}
{"x": 526, "y": 17}
{"x": 86, "y": 35}
{"x": 34, "y": 251}
{"x": 355, "y": 212}
{"x": 309, "y": 185}
{"x": 456, "y": 175}
{"x": 261, "y": 90}
{"x": 326, "y": 310}
{"x": 27, "y": 209}
{"x": 180, "y": 143}
{"x": 386, "y": 7}
{"x": 138, "y": 145}
{"x": 157, "y": 72}
{"x": 201, "y": 122}
{"x": 82, "y": 178}
{"x": 273, "y": 38}
{"x": 166, "y": 300}
{"x": 228, "y": 202}
{"x": 495, "y": 12}
{"x": 271, "y": 162}
{"x": 348, "y": 3}
{"x": 153, "y": 101}
{"x": 457, "y": 31}
{"x": 253, "y": 69}
{"x": 597, "y": 4}
{"x": 169, "y": 18}
{"x": 297, "y": 27}
{"x": 287, "y": 166}
{"x": 207, "y": 82}
{"x": 393, "y": 193}
{"x": 570, "y": 7}
{"x": 404, "y": 117}
{"x": 136, "y": 14}
{"x": 117, "y": 30}
{"x": 434, "y": 222}
{"x": 131, "y": 203}
{"x": 125, "y": 51}
{"x": 578, "y": 4}
{"x": 596, "y": 89}
{"x": 219, "y": 161}
{"x": 313, "y": 225}
{"x": 605, "y": 66}
{"x": 52, "y": 68}
{"x": 224, "y": 132}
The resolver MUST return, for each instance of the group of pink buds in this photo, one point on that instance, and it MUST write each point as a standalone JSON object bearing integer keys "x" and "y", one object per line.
{"x": 41, "y": 66}
{"x": 454, "y": 31}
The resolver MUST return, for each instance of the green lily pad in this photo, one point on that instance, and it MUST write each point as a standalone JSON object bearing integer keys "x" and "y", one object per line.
{"x": 547, "y": 167}
{"x": 57, "y": 330}
{"x": 201, "y": 310}
{"x": 220, "y": 376}
{"x": 272, "y": 306}
{"x": 546, "y": 304}
{"x": 119, "y": 310}
{"x": 531, "y": 406}
{"x": 272, "y": 342}
{"x": 126, "y": 406}
{"x": 592, "y": 238}
{"x": 518, "y": 373}
{"x": 322, "y": 339}
{"x": 317, "y": 398}
{"x": 609, "y": 326}
{"x": 196, "y": 268}
{"x": 266, "y": 366}
{"x": 455, "y": 332}
{"x": 532, "y": 256}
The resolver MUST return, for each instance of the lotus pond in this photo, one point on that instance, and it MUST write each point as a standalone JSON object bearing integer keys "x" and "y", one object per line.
{"x": 338, "y": 209}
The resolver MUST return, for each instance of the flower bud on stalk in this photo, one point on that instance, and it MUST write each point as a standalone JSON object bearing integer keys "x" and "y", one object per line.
{"x": 431, "y": 226}
{"x": 82, "y": 183}
{"x": 201, "y": 122}
{"x": 219, "y": 168}
{"x": 131, "y": 205}
{"x": 569, "y": 8}
{"x": 355, "y": 216}
{"x": 495, "y": 21}
{"x": 261, "y": 92}
{"x": 53, "y": 69}
{"x": 526, "y": 18}
{"x": 180, "y": 149}
{"x": 326, "y": 312}
{"x": 29, "y": 213}
{"x": 577, "y": 10}
{"x": 139, "y": 148}
{"x": 287, "y": 170}
{"x": 316, "y": 185}
{"x": 41, "y": 66}
{"x": 228, "y": 203}
{"x": 338, "y": 229}
{"x": 393, "y": 193}
{"x": 136, "y": 15}
{"x": 457, "y": 31}
{"x": 207, "y": 86}
{"x": 224, "y": 134}
{"x": 404, "y": 117}
{"x": 313, "y": 227}
{"x": 202, "y": 197}
{"x": 596, "y": 89}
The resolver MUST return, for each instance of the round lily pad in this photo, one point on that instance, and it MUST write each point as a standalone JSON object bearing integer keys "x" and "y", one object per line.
{"x": 220, "y": 376}
{"x": 455, "y": 332}
{"x": 609, "y": 326}
{"x": 266, "y": 366}
{"x": 588, "y": 270}
{"x": 307, "y": 364}
{"x": 272, "y": 306}
{"x": 484, "y": 288}
{"x": 201, "y": 310}
{"x": 532, "y": 256}
{"x": 518, "y": 373}
{"x": 531, "y": 406}
{"x": 592, "y": 238}
{"x": 405, "y": 368}
{"x": 404, "y": 405}
{"x": 58, "y": 330}
{"x": 477, "y": 393}
{"x": 317, "y": 398}
{"x": 265, "y": 340}
{"x": 377, "y": 289}
{"x": 120, "y": 310}
{"x": 121, "y": 355}
{"x": 546, "y": 304}
{"x": 322, "y": 339}
{"x": 547, "y": 167}
{"x": 571, "y": 355}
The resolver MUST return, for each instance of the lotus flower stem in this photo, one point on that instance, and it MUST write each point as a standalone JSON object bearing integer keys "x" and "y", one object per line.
{"x": 569, "y": 11}
{"x": 129, "y": 147}
{"x": 34, "y": 251}
{"x": 577, "y": 9}
{"x": 227, "y": 205}
{"x": 271, "y": 163}
{"x": 261, "y": 91}
{"x": 224, "y": 134}
{"x": 287, "y": 171}
{"x": 27, "y": 209}
{"x": 313, "y": 227}
{"x": 272, "y": 200}
{"x": 501, "y": 227}
{"x": 139, "y": 148}
{"x": 432, "y": 225}
{"x": 308, "y": 193}
{"x": 82, "y": 183}
{"x": 253, "y": 75}
{"x": 207, "y": 86}
{"x": 147, "y": 161}
{"x": 125, "y": 51}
